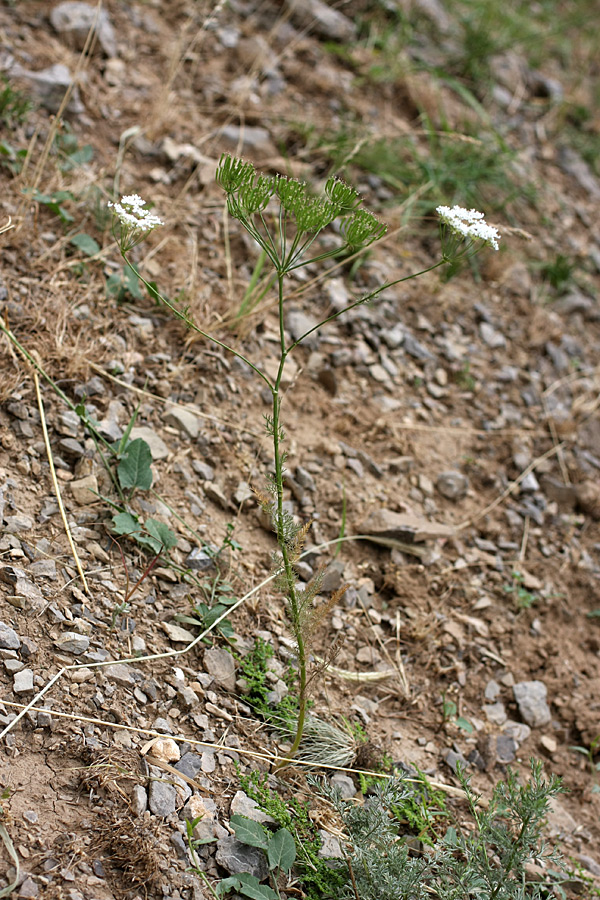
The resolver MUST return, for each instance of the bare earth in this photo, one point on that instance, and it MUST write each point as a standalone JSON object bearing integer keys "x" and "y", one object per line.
{"x": 488, "y": 379}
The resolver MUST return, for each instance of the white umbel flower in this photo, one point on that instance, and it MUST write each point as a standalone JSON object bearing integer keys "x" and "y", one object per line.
{"x": 135, "y": 220}
{"x": 469, "y": 224}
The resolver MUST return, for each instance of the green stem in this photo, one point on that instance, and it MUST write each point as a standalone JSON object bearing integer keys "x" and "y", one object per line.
{"x": 366, "y": 299}
{"x": 290, "y": 578}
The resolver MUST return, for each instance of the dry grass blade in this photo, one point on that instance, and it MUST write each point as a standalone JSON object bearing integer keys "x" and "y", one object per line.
{"x": 10, "y": 849}
{"x": 55, "y": 483}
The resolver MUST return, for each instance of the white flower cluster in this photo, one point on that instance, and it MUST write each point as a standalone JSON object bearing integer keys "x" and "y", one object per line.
{"x": 132, "y": 213}
{"x": 469, "y": 223}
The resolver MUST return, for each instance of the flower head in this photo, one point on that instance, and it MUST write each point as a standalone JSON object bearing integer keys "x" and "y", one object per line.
{"x": 469, "y": 224}
{"x": 135, "y": 221}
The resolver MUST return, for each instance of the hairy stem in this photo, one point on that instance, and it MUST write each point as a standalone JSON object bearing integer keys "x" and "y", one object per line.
{"x": 290, "y": 578}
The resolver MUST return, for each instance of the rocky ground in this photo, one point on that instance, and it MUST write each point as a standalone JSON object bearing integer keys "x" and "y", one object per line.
{"x": 453, "y": 421}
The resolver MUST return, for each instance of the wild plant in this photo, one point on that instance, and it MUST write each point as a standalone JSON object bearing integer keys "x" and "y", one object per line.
{"x": 487, "y": 861}
{"x": 285, "y": 219}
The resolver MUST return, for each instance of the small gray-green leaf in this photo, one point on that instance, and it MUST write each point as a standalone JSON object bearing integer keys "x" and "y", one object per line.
{"x": 281, "y": 851}
{"x": 134, "y": 469}
{"x": 249, "y": 832}
{"x": 85, "y": 243}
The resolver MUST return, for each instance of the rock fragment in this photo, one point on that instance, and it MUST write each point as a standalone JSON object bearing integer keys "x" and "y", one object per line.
{"x": 71, "y": 642}
{"x": 220, "y": 664}
{"x": 452, "y": 485}
{"x": 9, "y": 639}
{"x": 74, "y": 19}
{"x": 236, "y": 858}
{"x": 531, "y": 700}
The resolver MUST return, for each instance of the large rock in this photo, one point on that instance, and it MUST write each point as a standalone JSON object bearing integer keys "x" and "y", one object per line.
{"x": 73, "y": 20}
{"x": 385, "y": 527}
{"x": 236, "y": 858}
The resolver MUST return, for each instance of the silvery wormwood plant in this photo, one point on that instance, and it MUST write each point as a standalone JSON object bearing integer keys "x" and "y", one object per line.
{"x": 285, "y": 219}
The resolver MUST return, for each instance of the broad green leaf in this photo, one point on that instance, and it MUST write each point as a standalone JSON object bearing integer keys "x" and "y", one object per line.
{"x": 125, "y": 523}
{"x": 161, "y": 533}
{"x": 227, "y": 884}
{"x": 134, "y": 469}
{"x": 86, "y": 244}
{"x": 251, "y": 887}
{"x": 281, "y": 851}
{"x": 249, "y": 832}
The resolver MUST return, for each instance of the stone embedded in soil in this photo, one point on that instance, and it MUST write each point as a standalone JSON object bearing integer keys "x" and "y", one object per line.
{"x": 23, "y": 682}
{"x": 236, "y": 858}
{"x": 121, "y": 674}
{"x": 491, "y": 336}
{"x": 243, "y": 805}
{"x": 344, "y": 784}
{"x": 454, "y": 759}
{"x": 517, "y": 730}
{"x": 18, "y": 524}
{"x": 215, "y": 493}
{"x": 531, "y": 700}
{"x": 323, "y": 20}
{"x": 50, "y": 85}
{"x": 203, "y": 470}
{"x": 189, "y": 764}
{"x": 139, "y": 800}
{"x": 330, "y": 846}
{"x": 182, "y": 419}
{"x": 383, "y": 524}
{"x": 29, "y": 890}
{"x": 220, "y": 664}
{"x": 452, "y": 485}
{"x": 495, "y": 712}
{"x": 73, "y": 19}
{"x": 158, "y": 448}
{"x": 506, "y": 749}
{"x": 203, "y": 809}
{"x": 9, "y": 639}
{"x": 176, "y": 633}
{"x": 162, "y": 798}
{"x": 71, "y": 642}
{"x": 85, "y": 490}
{"x": 166, "y": 749}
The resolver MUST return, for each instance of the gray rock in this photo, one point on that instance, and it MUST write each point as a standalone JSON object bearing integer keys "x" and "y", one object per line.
{"x": 23, "y": 682}
{"x": 299, "y": 323}
{"x": 491, "y": 336}
{"x": 572, "y": 163}
{"x": 199, "y": 559}
{"x": 162, "y": 798}
{"x": 531, "y": 700}
{"x": 519, "y": 731}
{"x": 530, "y": 484}
{"x": 322, "y": 19}
{"x": 220, "y": 664}
{"x": 454, "y": 759}
{"x": 121, "y": 674}
{"x": 384, "y": 525}
{"x": 182, "y": 419}
{"x": 495, "y": 712}
{"x": 18, "y": 524}
{"x": 215, "y": 493}
{"x": 492, "y": 688}
{"x": 251, "y": 137}
{"x": 506, "y": 749}
{"x": 236, "y": 857}
{"x": 9, "y": 639}
{"x": 73, "y": 19}
{"x": 330, "y": 846}
{"x": 71, "y": 642}
{"x": 452, "y": 485}
{"x": 158, "y": 448}
{"x": 332, "y": 577}
{"x": 189, "y": 764}
{"x": 244, "y": 495}
{"x": 243, "y": 805}
{"x": 277, "y": 693}
{"x": 50, "y": 85}
{"x": 344, "y": 784}
{"x": 203, "y": 470}
{"x": 29, "y": 889}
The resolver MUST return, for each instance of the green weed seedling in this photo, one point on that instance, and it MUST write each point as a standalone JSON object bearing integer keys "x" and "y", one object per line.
{"x": 589, "y": 753}
{"x": 524, "y": 599}
{"x": 285, "y": 219}
{"x": 55, "y": 203}
{"x": 450, "y": 714}
{"x": 15, "y": 106}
